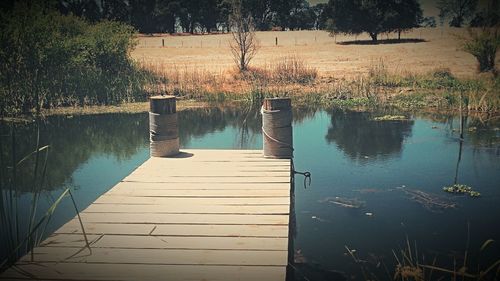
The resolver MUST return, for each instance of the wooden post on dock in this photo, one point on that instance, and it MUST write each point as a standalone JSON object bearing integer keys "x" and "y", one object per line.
{"x": 277, "y": 128}
{"x": 163, "y": 129}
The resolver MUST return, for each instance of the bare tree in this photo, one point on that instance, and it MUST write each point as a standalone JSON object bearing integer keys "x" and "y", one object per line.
{"x": 244, "y": 44}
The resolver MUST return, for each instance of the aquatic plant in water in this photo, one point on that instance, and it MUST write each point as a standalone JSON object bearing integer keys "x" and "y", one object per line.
{"x": 391, "y": 118}
{"x": 353, "y": 203}
{"x": 461, "y": 189}
{"x": 431, "y": 202}
{"x": 410, "y": 264}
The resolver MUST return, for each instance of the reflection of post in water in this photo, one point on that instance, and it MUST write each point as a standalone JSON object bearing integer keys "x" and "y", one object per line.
{"x": 244, "y": 133}
{"x": 458, "y": 160}
{"x": 463, "y": 121}
{"x": 244, "y": 136}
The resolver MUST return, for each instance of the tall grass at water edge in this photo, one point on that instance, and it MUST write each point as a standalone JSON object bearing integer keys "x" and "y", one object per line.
{"x": 438, "y": 89}
{"x": 20, "y": 235}
{"x": 290, "y": 76}
{"x": 412, "y": 265}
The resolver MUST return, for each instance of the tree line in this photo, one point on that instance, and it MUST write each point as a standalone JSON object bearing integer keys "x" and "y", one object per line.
{"x": 192, "y": 16}
{"x": 206, "y": 16}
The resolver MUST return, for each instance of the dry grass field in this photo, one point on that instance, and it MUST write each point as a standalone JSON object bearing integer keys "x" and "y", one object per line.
{"x": 336, "y": 57}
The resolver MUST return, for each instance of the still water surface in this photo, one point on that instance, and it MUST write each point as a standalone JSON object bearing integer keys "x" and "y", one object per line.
{"x": 349, "y": 155}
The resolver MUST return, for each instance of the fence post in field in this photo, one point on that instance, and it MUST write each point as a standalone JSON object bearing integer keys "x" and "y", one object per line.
{"x": 163, "y": 129}
{"x": 163, "y": 42}
{"x": 277, "y": 128}
{"x": 276, "y": 41}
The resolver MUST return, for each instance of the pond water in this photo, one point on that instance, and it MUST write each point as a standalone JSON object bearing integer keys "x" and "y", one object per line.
{"x": 382, "y": 167}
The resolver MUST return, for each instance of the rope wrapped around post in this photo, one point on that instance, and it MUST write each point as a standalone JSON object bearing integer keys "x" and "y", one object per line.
{"x": 163, "y": 128}
{"x": 277, "y": 128}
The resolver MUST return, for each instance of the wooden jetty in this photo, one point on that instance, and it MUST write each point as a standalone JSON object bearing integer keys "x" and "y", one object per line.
{"x": 201, "y": 215}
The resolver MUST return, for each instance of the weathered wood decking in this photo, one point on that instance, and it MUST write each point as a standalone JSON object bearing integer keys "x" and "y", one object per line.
{"x": 204, "y": 215}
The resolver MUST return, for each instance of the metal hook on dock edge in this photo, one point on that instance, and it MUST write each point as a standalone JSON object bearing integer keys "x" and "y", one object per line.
{"x": 307, "y": 176}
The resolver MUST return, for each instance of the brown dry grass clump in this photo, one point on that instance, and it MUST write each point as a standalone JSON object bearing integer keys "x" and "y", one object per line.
{"x": 284, "y": 75}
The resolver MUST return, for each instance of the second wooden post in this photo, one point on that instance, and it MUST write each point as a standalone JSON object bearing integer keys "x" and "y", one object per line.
{"x": 163, "y": 129}
{"x": 277, "y": 128}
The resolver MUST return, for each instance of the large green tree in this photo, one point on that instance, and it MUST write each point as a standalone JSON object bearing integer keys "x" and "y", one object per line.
{"x": 458, "y": 11}
{"x": 373, "y": 16}
{"x": 117, "y": 10}
{"x": 142, "y": 15}
{"x": 208, "y": 15}
{"x": 302, "y": 16}
{"x": 404, "y": 15}
{"x": 488, "y": 15}
{"x": 87, "y": 9}
{"x": 260, "y": 11}
{"x": 322, "y": 12}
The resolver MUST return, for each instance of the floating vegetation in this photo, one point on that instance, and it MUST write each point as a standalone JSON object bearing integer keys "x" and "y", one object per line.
{"x": 319, "y": 219}
{"x": 352, "y": 203}
{"x": 431, "y": 202}
{"x": 391, "y": 118}
{"x": 298, "y": 257}
{"x": 461, "y": 189}
{"x": 369, "y": 190}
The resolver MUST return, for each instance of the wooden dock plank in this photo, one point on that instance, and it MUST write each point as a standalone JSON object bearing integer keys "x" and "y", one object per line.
{"x": 215, "y": 168}
{"x": 203, "y": 215}
{"x": 159, "y": 256}
{"x": 167, "y": 242}
{"x": 73, "y": 226}
{"x": 189, "y": 209}
{"x": 146, "y": 272}
{"x": 210, "y": 165}
{"x": 206, "y": 179}
{"x": 199, "y": 193}
{"x": 143, "y": 200}
{"x": 196, "y": 186}
{"x": 279, "y": 231}
{"x": 184, "y": 218}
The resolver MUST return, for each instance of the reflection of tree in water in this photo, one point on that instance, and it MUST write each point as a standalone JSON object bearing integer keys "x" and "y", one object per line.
{"x": 483, "y": 132}
{"x": 248, "y": 121}
{"x": 199, "y": 122}
{"x": 358, "y": 136}
{"x": 72, "y": 142}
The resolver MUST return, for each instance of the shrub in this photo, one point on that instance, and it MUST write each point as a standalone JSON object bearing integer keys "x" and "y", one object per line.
{"x": 285, "y": 70}
{"x": 48, "y": 59}
{"x": 291, "y": 69}
{"x": 483, "y": 45}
